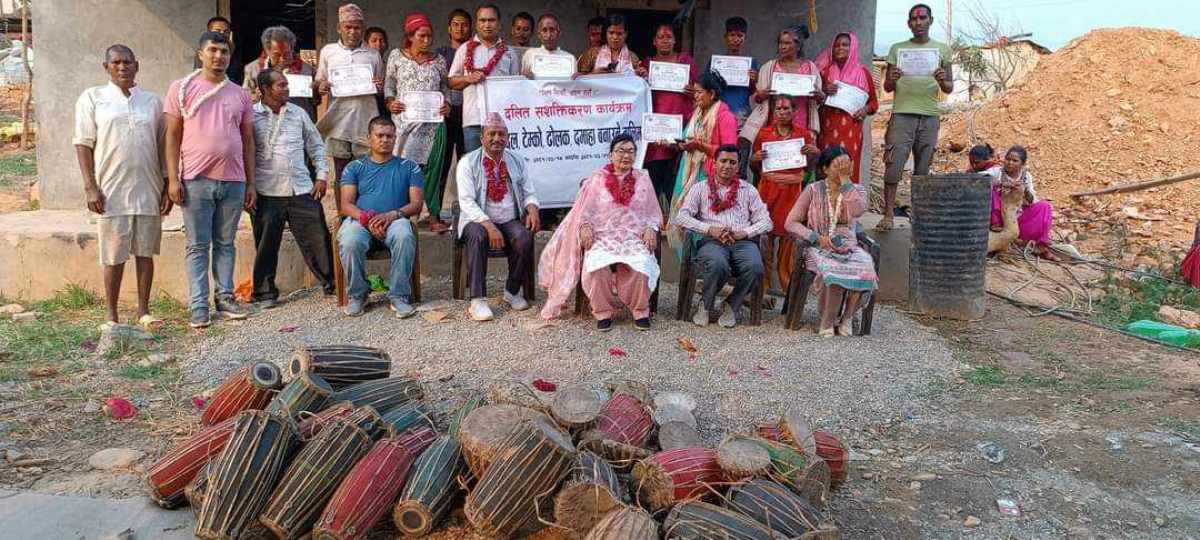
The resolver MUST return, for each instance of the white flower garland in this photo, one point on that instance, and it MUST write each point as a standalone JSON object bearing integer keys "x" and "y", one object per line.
{"x": 835, "y": 211}
{"x": 200, "y": 100}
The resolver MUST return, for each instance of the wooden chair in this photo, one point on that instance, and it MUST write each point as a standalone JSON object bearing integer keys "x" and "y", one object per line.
{"x": 375, "y": 253}
{"x": 581, "y": 299}
{"x": 802, "y": 278}
{"x": 458, "y": 273}
{"x": 688, "y": 279}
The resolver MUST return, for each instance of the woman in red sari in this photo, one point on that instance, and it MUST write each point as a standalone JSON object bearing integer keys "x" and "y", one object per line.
{"x": 780, "y": 189}
{"x": 839, "y": 63}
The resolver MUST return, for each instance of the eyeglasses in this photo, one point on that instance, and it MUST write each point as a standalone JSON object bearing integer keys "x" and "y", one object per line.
{"x": 625, "y": 151}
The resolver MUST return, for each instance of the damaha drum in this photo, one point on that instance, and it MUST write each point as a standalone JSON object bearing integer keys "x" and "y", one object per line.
{"x": 672, "y": 435}
{"x": 431, "y": 487}
{"x": 577, "y": 406}
{"x": 383, "y": 394}
{"x": 460, "y": 414}
{"x": 485, "y": 428}
{"x": 417, "y": 439}
{"x": 197, "y": 489}
{"x": 625, "y": 523}
{"x": 590, "y": 491}
{"x": 169, "y": 475}
{"x": 305, "y": 394}
{"x": 795, "y": 431}
{"x": 409, "y": 415}
{"x": 250, "y": 387}
{"x": 532, "y": 460}
{"x": 245, "y": 473}
{"x": 835, "y": 454}
{"x": 676, "y": 475}
{"x": 624, "y": 419}
{"x": 367, "y": 493}
{"x": 774, "y": 505}
{"x": 312, "y": 477}
{"x": 341, "y": 365}
{"x": 312, "y": 424}
{"x": 620, "y": 455}
{"x": 743, "y": 457}
{"x": 703, "y": 521}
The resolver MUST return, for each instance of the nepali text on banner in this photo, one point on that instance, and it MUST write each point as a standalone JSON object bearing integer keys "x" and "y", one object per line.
{"x": 563, "y": 127}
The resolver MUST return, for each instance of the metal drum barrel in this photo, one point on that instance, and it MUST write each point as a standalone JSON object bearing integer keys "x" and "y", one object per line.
{"x": 951, "y": 213}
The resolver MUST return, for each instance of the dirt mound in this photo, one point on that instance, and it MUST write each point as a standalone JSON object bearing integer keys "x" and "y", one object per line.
{"x": 1114, "y": 106}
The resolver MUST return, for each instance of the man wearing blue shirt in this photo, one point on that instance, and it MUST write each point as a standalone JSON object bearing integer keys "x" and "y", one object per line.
{"x": 379, "y": 193}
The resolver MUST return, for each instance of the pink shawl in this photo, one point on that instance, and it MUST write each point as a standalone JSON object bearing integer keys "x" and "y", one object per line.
{"x": 617, "y": 234}
{"x": 851, "y": 72}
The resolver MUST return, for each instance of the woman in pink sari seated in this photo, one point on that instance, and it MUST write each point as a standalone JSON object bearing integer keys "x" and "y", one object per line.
{"x": 1036, "y": 217}
{"x": 607, "y": 240}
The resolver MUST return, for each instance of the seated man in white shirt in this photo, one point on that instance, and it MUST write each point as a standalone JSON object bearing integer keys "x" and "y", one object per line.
{"x": 287, "y": 195}
{"x": 548, "y": 32}
{"x": 499, "y": 211}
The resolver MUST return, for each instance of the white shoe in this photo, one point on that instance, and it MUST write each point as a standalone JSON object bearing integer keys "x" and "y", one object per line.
{"x": 480, "y": 310}
{"x": 846, "y": 328}
{"x": 516, "y": 301}
{"x": 728, "y": 318}
{"x": 825, "y": 333}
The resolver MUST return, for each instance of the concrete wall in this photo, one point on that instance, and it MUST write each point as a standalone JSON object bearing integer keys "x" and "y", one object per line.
{"x": 72, "y": 36}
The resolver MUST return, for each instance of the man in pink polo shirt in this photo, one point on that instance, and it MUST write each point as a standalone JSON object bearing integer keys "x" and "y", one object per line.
{"x": 210, "y": 136}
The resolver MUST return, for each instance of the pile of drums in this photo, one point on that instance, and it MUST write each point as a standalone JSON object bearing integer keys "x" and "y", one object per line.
{"x": 344, "y": 449}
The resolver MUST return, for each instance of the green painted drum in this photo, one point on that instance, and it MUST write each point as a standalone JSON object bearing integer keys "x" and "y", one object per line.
{"x": 383, "y": 394}
{"x": 341, "y": 365}
{"x": 306, "y": 394}
{"x": 243, "y": 476}
{"x": 431, "y": 488}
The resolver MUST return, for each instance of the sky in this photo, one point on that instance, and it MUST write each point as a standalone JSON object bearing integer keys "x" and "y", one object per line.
{"x": 1052, "y": 22}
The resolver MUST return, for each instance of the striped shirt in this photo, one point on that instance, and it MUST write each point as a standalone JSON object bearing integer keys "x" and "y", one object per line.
{"x": 749, "y": 214}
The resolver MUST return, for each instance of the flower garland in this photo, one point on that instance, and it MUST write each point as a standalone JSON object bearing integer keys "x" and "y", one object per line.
{"x": 716, "y": 202}
{"x": 183, "y": 86}
{"x": 364, "y": 216}
{"x": 835, "y": 210}
{"x": 497, "y": 184}
{"x": 621, "y": 189}
{"x": 491, "y": 65}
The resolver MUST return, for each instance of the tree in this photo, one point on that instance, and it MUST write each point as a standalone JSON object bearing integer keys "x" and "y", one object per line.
{"x": 983, "y": 50}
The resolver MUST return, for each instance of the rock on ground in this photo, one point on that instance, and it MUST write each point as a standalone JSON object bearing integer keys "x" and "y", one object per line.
{"x": 114, "y": 458}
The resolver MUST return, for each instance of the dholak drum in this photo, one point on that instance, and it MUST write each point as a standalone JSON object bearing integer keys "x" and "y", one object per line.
{"x": 620, "y": 455}
{"x": 835, "y": 454}
{"x": 743, "y": 457}
{"x": 624, "y": 419}
{"x": 312, "y": 478}
{"x": 369, "y": 421}
{"x": 305, "y": 394}
{"x": 367, "y": 493}
{"x": 532, "y": 460}
{"x": 516, "y": 393}
{"x": 672, "y": 435}
{"x": 483, "y": 430}
{"x": 407, "y": 416}
{"x": 431, "y": 487}
{"x": 700, "y": 520}
{"x": 773, "y": 505}
{"x": 250, "y": 387}
{"x": 625, "y": 523}
{"x": 676, "y": 475}
{"x": 312, "y": 424}
{"x": 460, "y": 414}
{"x": 768, "y": 430}
{"x": 341, "y": 365}
{"x": 383, "y": 394}
{"x": 169, "y": 475}
{"x": 812, "y": 483}
{"x": 197, "y": 489}
{"x": 786, "y": 462}
{"x": 590, "y": 491}
{"x": 795, "y": 431}
{"x": 577, "y": 406}
{"x": 244, "y": 474}
{"x": 417, "y": 439}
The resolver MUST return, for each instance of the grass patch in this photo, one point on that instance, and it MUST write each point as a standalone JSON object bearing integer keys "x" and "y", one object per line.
{"x": 71, "y": 297}
{"x": 52, "y": 340}
{"x": 145, "y": 373}
{"x": 1191, "y": 428}
{"x": 1133, "y": 299}
{"x": 989, "y": 376}
{"x": 18, "y": 164}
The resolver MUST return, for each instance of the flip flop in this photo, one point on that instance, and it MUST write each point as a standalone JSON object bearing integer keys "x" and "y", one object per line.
{"x": 150, "y": 322}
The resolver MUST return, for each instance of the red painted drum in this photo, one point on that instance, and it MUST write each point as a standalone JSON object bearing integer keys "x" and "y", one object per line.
{"x": 676, "y": 475}
{"x": 248, "y": 388}
{"x": 171, "y": 473}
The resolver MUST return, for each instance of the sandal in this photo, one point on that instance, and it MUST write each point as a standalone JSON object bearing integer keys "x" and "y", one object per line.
{"x": 150, "y": 322}
{"x": 886, "y": 224}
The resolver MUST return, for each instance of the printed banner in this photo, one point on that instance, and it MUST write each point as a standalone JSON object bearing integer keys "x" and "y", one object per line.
{"x": 563, "y": 127}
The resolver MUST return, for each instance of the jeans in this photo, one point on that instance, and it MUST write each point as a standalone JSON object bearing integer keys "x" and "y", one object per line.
{"x": 305, "y": 217}
{"x": 211, "y": 210}
{"x": 718, "y": 262}
{"x": 355, "y": 241}
{"x": 471, "y": 138}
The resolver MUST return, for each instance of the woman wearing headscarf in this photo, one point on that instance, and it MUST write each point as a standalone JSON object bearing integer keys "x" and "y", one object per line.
{"x": 839, "y": 63}
{"x": 790, "y": 60}
{"x": 825, "y": 215}
{"x": 608, "y": 237}
{"x": 415, "y": 67}
{"x": 711, "y": 126}
{"x": 780, "y": 189}
{"x": 661, "y": 159}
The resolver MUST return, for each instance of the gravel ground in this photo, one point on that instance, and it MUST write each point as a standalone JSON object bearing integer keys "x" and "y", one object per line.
{"x": 739, "y": 376}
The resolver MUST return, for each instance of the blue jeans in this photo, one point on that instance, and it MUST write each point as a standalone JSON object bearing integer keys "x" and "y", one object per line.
{"x": 211, "y": 210}
{"x": 354, "y": 241}
{"x": 471, "y": 138}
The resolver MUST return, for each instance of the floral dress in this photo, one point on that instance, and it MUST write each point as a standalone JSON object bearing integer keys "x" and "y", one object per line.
{"x": 414, "y": 140}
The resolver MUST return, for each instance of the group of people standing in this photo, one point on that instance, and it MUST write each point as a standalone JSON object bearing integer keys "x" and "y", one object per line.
{"x": 215, "y": 149}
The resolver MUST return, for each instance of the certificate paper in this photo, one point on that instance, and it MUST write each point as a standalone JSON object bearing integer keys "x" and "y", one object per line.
{"x": 662, "y": 127}
{"x": 669, "y": 76}
{"x": 848, "y": 98}
{"x": 422, "y": 106}
{"x": 351, "y": 80}
{"x": 735, "y": 69}
{"x": 793, "y": 84}
{"x": 918, "y": 62}
{"x": 552, "y": 66}
{"x": 299, "y": 86}
{"x": 784, "y": 155}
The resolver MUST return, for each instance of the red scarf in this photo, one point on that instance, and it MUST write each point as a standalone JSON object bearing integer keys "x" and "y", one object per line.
{"x": 491, "y": 65}
{"x": 621, "y": 189}
{"x": 718, "y": 204}
{"x": 497, "y": 179}
{"x": 293, "y": 68}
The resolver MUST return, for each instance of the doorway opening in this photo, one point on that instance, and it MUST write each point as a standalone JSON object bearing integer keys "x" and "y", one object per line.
{"x": 640, "y": 25}
{"x": 250, "y": 18}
